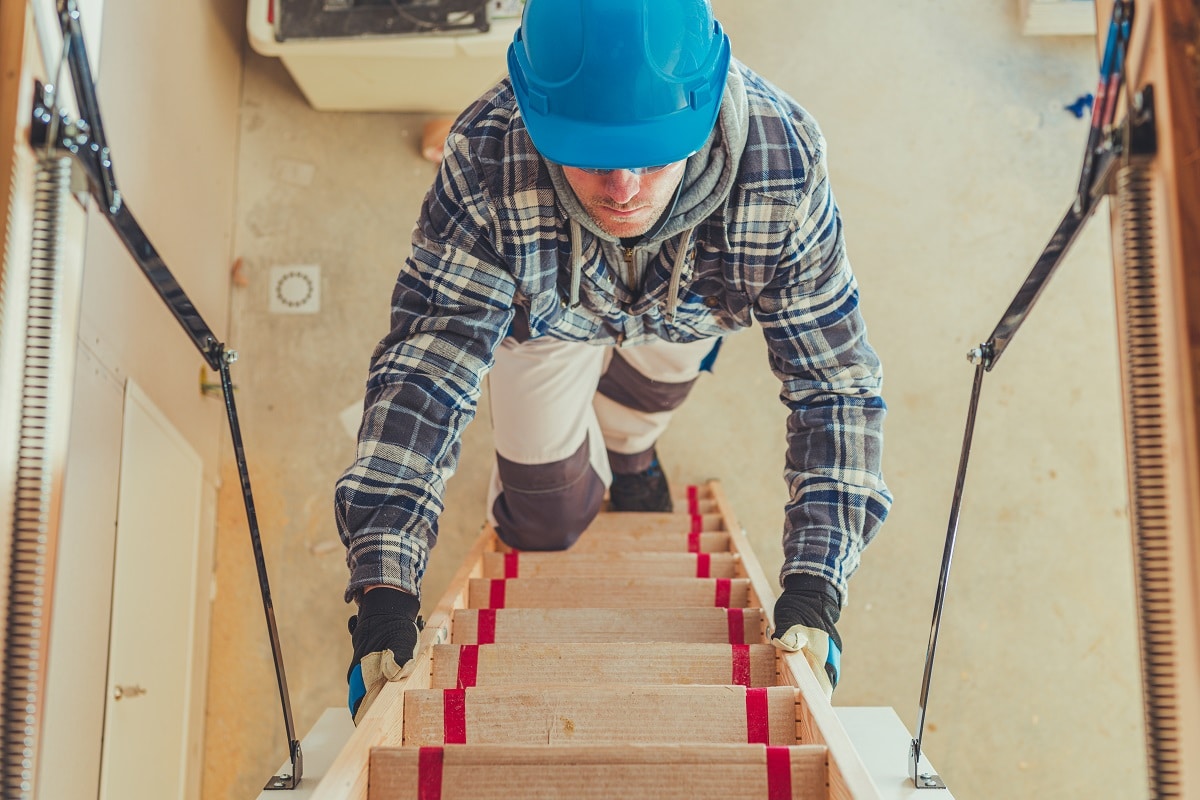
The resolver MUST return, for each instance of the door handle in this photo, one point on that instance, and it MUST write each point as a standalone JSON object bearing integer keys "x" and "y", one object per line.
{"x": 131, "y": 692}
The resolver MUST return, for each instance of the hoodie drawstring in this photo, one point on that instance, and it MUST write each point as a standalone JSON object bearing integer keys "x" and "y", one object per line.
{"x": 678, "y": 266}
{"x": 677, "y": 275}
{"x": 576, "y": 263}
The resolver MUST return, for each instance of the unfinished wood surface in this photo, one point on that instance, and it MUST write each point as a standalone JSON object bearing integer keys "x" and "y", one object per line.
{"x": 615, "y": 592}
{"x": 662, "y": 772}
{"x": 604, "y": 565}
{"x": 634, "y": 541}
{"x": 463, "y": 666}
{"x": 698, "y": 625}
{"x": 601, "y": 715}
{"x": 615, "y": 522}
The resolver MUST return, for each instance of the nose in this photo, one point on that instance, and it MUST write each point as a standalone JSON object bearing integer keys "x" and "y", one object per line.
{"x": 622, "y": 185}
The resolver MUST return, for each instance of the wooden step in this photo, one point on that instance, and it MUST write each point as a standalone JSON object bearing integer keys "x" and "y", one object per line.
{"x": 700, "y": 506}
{"x": 605, "y": 565}
{"x": 666, "y": 521}
{"x": 531, "y": 625}
{"x": 601, "y": 715}
{"x": 602, "y": 772}
{"x": 616, "y": 592}
{"x": 464, "y": 666}
{"x": 634, "y": 541}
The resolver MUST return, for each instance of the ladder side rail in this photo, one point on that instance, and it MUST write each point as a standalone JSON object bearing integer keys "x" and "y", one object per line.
{"x": 848, "y": 775}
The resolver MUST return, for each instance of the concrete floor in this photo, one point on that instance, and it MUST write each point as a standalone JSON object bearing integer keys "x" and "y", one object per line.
{"x": 952, "y": 160}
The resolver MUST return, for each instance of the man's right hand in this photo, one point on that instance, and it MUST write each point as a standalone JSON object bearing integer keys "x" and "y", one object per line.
{"x": 384, "y": 634}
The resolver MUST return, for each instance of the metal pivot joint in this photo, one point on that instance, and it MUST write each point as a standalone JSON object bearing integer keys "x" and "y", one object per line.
{"x": 1109, "y": 146}
{"x": 53, "y": 131}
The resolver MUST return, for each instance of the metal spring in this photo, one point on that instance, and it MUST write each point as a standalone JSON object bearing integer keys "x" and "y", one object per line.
{"x": 27, "y": 631}
{"x": 1150, "y": 503}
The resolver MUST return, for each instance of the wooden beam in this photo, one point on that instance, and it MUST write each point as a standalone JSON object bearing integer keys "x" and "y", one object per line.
{"x": 603, "y": 565}
{"x": 614, "y": 592}
{"x": 602, "y": 772}
{"x": 513, "y": 664}
{"x": 601, "y": 715}
{"x": 530, "y": 625}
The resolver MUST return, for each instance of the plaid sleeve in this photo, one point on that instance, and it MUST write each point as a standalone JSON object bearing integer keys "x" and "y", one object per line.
{"x": 831, "y": 378}
{"x": 451, "y": 306}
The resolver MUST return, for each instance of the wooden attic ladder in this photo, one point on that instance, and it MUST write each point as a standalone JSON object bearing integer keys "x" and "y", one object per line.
{"x": 635, "y": 664}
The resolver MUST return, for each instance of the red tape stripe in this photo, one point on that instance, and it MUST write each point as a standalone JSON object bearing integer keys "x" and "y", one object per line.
{"x": 779, "y": 773}
{"x": 510, "y": 564}
{"x": 454, "y": 715}
{"x": 468, "y": 665}
{"x": 724, "y": 586}
{"x": 741, "y": 665}
{"x": 757, "y": 730}
{"x": 485, "y": 632}
{"x": 693, "y": 500}
{"x": 496, "y": 596}
{"x": 429, "y": 773}
{"x": 737, "y": 626}
{"x": 694, "y": 542}
{"x": 697, "y": 523}
{"x": 703, "y": 565}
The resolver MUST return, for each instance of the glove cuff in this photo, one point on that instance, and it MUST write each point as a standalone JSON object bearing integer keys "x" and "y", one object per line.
{"x": 815, "y": 586}
{"x": 389, "y": 601}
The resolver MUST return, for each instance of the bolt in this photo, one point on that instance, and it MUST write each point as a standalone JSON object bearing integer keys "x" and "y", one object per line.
{"x": 928, "y": 782}
{"x": 231, "y": 356}
{"x": 975, "y": 356}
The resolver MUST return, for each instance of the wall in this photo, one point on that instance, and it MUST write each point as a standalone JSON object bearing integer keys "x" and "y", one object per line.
{"x": 169, "y": 85}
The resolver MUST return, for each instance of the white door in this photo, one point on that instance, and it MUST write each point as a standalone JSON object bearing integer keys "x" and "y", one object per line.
{"x": 150, "y": 680}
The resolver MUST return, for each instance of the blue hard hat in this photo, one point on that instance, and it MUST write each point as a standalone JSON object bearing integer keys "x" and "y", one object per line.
{"x": 611, "y": 84}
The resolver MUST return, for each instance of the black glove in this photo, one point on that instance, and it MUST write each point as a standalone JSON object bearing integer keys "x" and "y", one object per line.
{"x": 384, "y": 633}
{"x": 805, "y": 619}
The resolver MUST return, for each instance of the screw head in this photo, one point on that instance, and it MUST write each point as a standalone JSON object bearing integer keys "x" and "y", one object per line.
{"x": 975, "y": 356}
{"x": 231, "y": 356}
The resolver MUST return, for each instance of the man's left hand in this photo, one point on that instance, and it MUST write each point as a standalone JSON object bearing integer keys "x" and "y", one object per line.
{"x": 805, "y": 617}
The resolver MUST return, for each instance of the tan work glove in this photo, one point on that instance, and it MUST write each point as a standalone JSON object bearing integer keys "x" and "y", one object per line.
{"x": 805, "y": 617}
{"x": 385, "y": 633}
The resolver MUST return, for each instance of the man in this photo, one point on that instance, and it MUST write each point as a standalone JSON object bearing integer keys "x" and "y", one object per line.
{"x": 626, "y": 197}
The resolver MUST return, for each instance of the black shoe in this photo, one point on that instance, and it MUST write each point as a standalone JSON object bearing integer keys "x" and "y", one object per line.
{"x": 641, "y": 491}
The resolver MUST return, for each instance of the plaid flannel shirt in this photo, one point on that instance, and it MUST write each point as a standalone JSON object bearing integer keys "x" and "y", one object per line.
{"x": 491, "y": 253}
